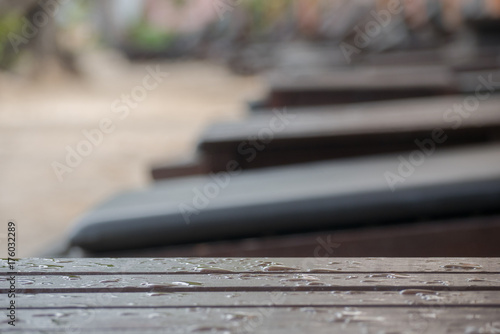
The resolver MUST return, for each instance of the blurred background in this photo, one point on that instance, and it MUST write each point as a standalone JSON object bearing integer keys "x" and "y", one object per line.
{"x": 67, "y": 65}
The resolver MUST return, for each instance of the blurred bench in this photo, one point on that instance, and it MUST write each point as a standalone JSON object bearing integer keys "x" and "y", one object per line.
{"x": 328, "y": 132}
{"x": 471, "y": 236}
{"x": 321, "y": 196}
{"x": 475, "y": 59}
{"x": 355, "y": 84}
{"x": 265, "y": 295}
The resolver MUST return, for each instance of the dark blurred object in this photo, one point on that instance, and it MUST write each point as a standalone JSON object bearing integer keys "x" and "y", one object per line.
{"x": 356, "y": 84}
{"x": 487, "y": 31}
{"x": 35, "y": 32}
{"x": 365, "y": 27}
{"x": 474, "y": 236}
{"x": 344, "y": 194}
{"x": 321, "y": 133}
{"x": 384, "y": 77}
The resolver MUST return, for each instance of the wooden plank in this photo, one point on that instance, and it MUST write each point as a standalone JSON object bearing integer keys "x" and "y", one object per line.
{"x": 252, "y": 282}
{"x": 434, "y": 295}
{"x": 276, "y": 320}
{"x": 130, "y": 300}
{"x": 112, "y": 266}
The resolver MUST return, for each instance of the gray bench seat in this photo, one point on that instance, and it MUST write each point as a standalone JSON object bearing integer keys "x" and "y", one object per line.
{"x": 322, "y": 133}
{"x": 304, "y": 197}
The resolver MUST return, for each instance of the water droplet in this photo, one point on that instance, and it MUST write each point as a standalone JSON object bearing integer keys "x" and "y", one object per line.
{"x": 214, "y": 271}
{"x": 156, "y": 294}
{"x": 377, "y": 275}
{"x": 416, "y": 291}
{"x": 465, "y": 266}
{"x": 110, "y": 280}
{"x": 224, "y": 330}
{"x": 349, "y": 315}
{"x": 429, "y": 297}
{"x": 436, "y": 281}
{"x": 186, "y": 283}
{"x": 128, "y": 314}
{"x": 322, "y": 270}
{"x": 239, "y": 316}
{"x": 475, "y": 279}
{"x": 398, "y": 276}
{"x": 301, "y": 278}
{"x": 155, "y": 286}
{"x": 52, "y": 315}
{"x": 280, "y": 268}
{"x": 49, "y": 266}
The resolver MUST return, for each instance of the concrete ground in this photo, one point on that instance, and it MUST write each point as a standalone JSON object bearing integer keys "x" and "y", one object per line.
{"x": 39, "y": 119}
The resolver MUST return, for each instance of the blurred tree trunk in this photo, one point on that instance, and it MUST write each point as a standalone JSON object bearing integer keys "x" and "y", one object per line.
{"x": 43, "y": 43}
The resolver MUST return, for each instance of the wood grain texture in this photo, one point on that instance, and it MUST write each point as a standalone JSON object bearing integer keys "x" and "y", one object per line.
{"x": 253, "y": 282}
{"x": 186, "y": 299}
{"x": 255, "y": 295}
{"x": 251, "y": 265}
{"x": 262, "y": 320}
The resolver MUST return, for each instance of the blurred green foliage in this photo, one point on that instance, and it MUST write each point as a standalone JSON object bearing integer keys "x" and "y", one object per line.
{"x": 10, "y": 23}
{"x": 179, "y": 3}
{"x": 147, "y": 37}
{"x": 265, "y": 13}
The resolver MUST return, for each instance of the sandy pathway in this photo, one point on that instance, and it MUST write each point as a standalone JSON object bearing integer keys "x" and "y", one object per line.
{"x": 38, "y": 120}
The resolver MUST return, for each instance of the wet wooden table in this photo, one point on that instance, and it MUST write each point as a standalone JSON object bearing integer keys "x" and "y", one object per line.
{"x": 247, "y": 295}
